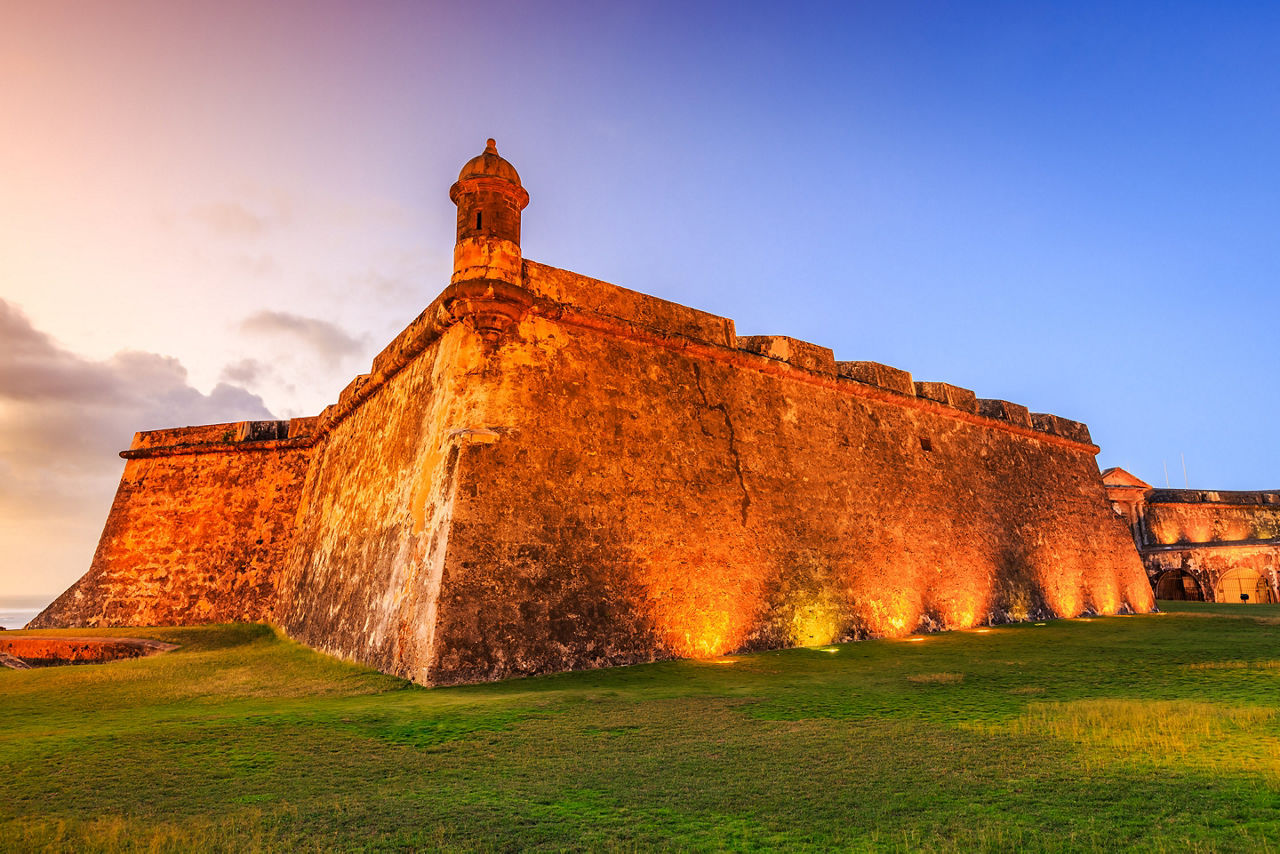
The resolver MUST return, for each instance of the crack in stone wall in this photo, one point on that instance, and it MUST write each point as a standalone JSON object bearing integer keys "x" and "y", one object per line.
{"x": 733, "y": 439}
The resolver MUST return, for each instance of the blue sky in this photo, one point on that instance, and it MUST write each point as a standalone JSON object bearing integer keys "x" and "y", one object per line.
{"x": 1070, "y": 206}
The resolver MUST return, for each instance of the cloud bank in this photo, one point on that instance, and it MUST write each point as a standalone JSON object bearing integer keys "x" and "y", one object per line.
{"x": 327, "y": 340}
{"x": 63, "y": 418}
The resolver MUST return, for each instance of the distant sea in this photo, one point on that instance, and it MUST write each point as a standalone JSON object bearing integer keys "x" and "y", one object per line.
{"x": 15, "y": 611}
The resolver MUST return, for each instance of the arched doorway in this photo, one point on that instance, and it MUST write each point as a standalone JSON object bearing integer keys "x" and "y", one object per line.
{"x": 1235, "y": 584}
{"x": 1179, "y": 586}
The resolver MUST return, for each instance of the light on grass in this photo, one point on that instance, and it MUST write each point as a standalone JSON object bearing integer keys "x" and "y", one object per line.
{"x": 1134, "y": 733}
{"x": 915, "y": 639}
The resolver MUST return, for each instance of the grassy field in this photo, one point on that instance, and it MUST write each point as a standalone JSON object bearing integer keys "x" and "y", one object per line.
{"x": 1157, "y": 732}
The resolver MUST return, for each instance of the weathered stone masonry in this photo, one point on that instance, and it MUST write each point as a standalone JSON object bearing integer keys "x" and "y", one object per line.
{"x": 201, "y": 523}
{"x": 547, "y": 472}
{"x": 1199, "y": 544}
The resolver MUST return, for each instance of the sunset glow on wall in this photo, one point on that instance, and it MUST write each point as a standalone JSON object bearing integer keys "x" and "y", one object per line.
{"x": 698, "y": 607}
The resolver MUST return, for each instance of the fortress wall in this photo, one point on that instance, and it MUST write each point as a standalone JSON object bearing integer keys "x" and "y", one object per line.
{"x": 1207, "y": 565}
{"x": 617, "y": 479}
{"x": 1255, "y": 568}
{"x": 654, "y": 494}
{"x": 1193, "y": 522}
{"x": 362, "y": 579}
{"x": 1228, "y": 542}
{"x": 200, "y": 524}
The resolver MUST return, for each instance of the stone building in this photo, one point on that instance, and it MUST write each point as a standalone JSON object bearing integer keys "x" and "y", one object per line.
{"x": 1202, "y": 545}
{"x": 547, "y": 472}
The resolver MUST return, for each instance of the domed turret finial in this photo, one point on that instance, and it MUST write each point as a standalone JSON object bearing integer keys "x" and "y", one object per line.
{"x": 490, "y": 198}
{"x": 486, "y": 292}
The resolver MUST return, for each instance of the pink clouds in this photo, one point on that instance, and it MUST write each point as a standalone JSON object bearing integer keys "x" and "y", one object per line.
{"x": 63, "y": 418}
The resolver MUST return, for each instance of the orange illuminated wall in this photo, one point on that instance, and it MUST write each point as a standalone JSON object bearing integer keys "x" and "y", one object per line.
{"x": 200, "y": 528}
{"x": 660, "y": 487}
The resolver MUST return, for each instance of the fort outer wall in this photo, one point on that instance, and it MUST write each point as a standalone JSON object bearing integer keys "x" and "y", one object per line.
{"x": 199, "y": 528}
{"x": 1228, "y": 543}
{"x": 1191, "y": 516}
{"x": 610, "y": 478}
{"x": 363, "y": 578}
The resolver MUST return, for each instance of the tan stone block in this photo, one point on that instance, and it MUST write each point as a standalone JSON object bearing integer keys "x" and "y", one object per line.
{"x": 659, "y": 315}
{"x": 876, "y": 374}
{"x": 1075, "y": 430}
{"x": 475, "y": 436}
{"x": 1003, "y": 410}
{"x": 800, "y": 354}
{"x": 349, "y": 394}
{"x": 952, "y": 395}
{"x": 1046, "y": 423}
{"x": 300, "y": 427}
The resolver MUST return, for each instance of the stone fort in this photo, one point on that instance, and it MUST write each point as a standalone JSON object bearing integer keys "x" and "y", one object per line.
{"x": 547, "y": 472}
{"x": 1202, "y": 545}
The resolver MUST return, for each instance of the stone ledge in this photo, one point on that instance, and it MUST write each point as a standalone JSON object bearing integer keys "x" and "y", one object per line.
{"x": 1212, "y": 544}
{"x": 1206, "y": 496}
{"x": 227, "y": 435}
{"x": 553, "y": 293}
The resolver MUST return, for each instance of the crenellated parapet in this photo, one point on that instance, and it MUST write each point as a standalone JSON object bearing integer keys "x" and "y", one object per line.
{"x": 1214, "y": 496}
{"x": 797, "y": 353}
{"x": 569, "y": 298}
{"x": 878, "y": 375}
{"x": 1003, "y": 410}
{"x": 820, "y": 360}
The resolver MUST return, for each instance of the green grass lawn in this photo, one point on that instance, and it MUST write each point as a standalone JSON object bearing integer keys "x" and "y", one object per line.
{"x": 1153, "y": 732}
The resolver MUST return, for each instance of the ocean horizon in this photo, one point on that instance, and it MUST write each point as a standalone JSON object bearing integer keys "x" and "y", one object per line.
{"x": 16, "y": 611}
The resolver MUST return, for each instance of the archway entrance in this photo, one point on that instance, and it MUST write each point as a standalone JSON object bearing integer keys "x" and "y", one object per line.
{"x": 1179, "y": 586}
{"x": 1235, "y": 584}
